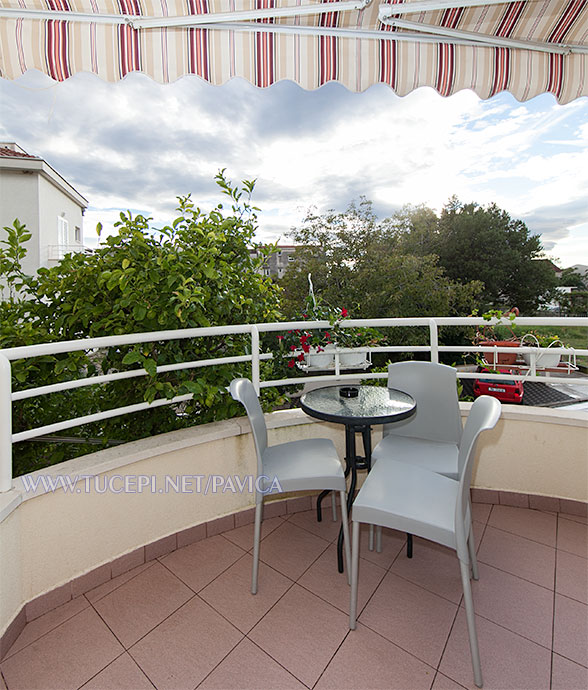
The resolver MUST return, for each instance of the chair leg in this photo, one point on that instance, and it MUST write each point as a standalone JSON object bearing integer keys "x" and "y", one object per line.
{"x": 371, "y": 538}
{"x": 354, "y": 574}
{"x": 345, "y": 525}
{"x": 473, "y": 636}
{"x": 334, "y": 506}
{"x": 472, "y": 552}
{"x": 256, "y": 540}
{"x": 379, "y": 539}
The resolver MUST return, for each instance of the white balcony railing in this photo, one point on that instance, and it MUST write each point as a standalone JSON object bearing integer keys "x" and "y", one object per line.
{"x": 254, "y": 356}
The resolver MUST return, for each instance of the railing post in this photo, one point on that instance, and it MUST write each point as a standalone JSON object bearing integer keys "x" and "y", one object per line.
{"x": 255, "y": 358}
{"x": 5, "y": 425}
{"x": 434, "y": 338}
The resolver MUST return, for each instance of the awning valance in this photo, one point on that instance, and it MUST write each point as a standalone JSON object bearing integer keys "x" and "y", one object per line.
{"x": 526, "y": 47}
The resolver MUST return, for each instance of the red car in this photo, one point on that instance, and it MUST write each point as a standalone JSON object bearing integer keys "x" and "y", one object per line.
{"x": 505, "y": 391}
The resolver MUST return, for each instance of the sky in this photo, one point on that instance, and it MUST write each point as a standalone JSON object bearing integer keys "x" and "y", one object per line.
{"x": 137, "y": 145}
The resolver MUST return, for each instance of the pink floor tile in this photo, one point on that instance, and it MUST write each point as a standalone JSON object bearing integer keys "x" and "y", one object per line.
{"x": 520, "y": 606}
{"x": 509, "y": 661}
{"x": 122, "y": 674}
{"x": 393, "y": 543}
{"x": 532, "y": 524}
{"x": 243, "y": 536}
{"x": 199, "y": 563}
{"x": 519, "y": 556}
{"x": 326, "y": 528}
{"x": 415, "y": 619}
{"x": 324, "y": 580}
{"x": 64, "y": 658}
{"x": 367, "y": 660}
{"x": 572, "y": 536}
{"x": 140, "y": 604}
{"x": 230, "y": 594}
{"x": 566, "y": 675}
{"x": 572, "y": 576}
{"x": 433, "y": 567}
{"x": 442, "y": 682}
{"x": 291, "y": 550}
{"x": 301, "y": 632}
{"x": 47, "y": 622}
{"x": 184, "y": 649}
{"x": 570, "y": 629}
{"x": 247, "y": 667}
{"x": 99, "y": 592}
{"x": 481, "y": 512}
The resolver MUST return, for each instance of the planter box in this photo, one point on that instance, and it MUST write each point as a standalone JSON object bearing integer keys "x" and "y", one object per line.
{"x": 500, "y": 357}
{"x": 350, "y": 358}
{"x": 547, "y": 359}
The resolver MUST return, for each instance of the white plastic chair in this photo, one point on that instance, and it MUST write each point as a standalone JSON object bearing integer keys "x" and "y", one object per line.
{"x": 430, "y": 438}
{"x": 412, "y": 499}
{"x": 298, "y": 466}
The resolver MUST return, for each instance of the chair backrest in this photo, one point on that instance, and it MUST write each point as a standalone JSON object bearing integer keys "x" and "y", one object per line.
{"x": 434, "y": 387}
{"x": 484, "y": 415}
{"x": 243, "y": 391}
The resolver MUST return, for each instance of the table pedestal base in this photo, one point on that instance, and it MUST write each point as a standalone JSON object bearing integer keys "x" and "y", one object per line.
{"x": 353, "y": 462}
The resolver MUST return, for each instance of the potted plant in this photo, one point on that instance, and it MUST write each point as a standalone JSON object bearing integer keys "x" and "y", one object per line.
{"x": 486, "y": 337}
{"x": 350, "y": 338}
{"x": 548, "y": 357}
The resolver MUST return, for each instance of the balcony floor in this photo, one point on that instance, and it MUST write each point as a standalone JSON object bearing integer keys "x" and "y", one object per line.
{"x": 187, "y": 620}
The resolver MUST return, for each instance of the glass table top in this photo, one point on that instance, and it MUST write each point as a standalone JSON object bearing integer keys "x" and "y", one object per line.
{"x": 373, "y": 405}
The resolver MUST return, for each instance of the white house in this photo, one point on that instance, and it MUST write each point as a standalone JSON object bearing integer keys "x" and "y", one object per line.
{"x": 32, "y": 191}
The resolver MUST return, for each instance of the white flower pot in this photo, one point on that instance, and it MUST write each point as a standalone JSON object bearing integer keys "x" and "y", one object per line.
{"x": 319, "y": 360}
{"x": 544, "y": 360}
{"x": 350, "y": 358}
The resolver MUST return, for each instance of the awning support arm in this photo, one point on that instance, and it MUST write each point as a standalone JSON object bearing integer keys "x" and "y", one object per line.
{"x": 138, "y": 22}
{"x": 484, "y": 39}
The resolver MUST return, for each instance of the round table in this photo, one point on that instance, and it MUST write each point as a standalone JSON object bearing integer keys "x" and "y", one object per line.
{"x": 371, "y": 405}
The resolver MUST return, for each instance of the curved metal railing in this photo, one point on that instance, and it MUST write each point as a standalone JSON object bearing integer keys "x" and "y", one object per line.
{"x": 254, "y": 356}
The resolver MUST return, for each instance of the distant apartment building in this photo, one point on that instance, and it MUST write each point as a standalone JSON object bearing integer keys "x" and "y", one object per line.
{"x": 32, "y": 191}
{"x": 276, "y": 265}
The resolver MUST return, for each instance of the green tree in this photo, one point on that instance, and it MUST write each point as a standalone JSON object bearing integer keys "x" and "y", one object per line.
{"x": 358, "y": 262}
{"x": 571, "y": 278}
{"x": 485, "y": 243}
{"x": 197, "y": 271}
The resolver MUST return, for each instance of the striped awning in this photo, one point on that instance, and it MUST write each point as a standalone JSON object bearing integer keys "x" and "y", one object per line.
{"x": 526, "y": 47}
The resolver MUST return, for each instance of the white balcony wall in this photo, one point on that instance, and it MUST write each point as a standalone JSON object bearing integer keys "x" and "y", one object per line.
{"x": 49, "y": 539}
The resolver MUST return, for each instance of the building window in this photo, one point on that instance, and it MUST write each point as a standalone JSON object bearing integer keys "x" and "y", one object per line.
{"x": 62, "y": 232}
{"x": 78, "y": 234}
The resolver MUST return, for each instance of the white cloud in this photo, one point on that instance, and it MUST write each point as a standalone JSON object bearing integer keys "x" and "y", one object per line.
{"x": 137, "y": 144}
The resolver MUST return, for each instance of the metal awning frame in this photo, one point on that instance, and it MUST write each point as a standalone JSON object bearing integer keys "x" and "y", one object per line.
{"x": 414, "y": 32}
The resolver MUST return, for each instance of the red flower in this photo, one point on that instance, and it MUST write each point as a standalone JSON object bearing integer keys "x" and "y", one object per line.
{"x": 292, "y": 347}
{"x": 280, "y": 337}
{"x": 291, "y": 363}
{"x": 306, "y": 347}
{"x": 327, "y": 336}
{"x": 344, "y": 313}
{"x": 301, "y": 357}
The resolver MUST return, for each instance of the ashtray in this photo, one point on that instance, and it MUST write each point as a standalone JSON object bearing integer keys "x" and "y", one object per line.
{"x": 349, "y": 391}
